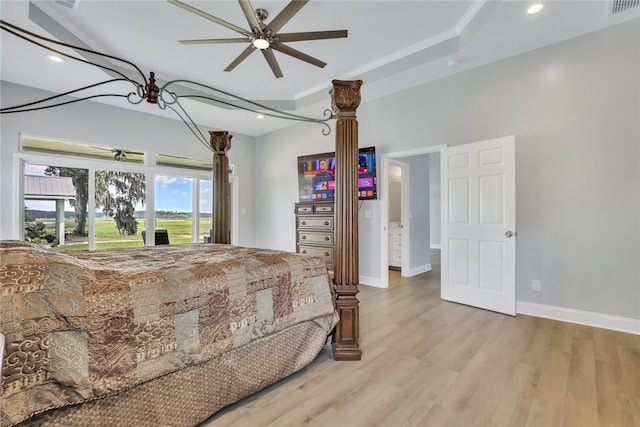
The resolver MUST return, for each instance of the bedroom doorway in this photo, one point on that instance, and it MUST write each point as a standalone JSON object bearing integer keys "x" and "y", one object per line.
{"x": 477, "y": 222}
{"x": 416, "y": 219}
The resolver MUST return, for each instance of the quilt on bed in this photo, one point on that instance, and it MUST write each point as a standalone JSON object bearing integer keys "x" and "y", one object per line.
{"x": 85, "y": 326}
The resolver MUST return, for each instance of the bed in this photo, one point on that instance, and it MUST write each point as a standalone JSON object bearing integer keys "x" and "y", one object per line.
{"x": 153, "y": 336}
{"x": 168, "y": 335}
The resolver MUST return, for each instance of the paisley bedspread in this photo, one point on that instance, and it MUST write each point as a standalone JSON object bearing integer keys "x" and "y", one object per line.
{"x": 84, "y": 326}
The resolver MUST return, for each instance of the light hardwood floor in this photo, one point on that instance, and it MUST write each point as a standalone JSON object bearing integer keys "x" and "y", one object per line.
{"x": 427, "y": 362}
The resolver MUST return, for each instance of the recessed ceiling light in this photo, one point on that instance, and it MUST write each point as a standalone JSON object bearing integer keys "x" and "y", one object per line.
{"x": 260, "y": 116}
{"x": 535, "y": 8}
{"x": 55, "y": 58}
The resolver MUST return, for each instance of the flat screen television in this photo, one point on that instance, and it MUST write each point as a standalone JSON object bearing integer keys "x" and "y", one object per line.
{"x": 316, "y": 176}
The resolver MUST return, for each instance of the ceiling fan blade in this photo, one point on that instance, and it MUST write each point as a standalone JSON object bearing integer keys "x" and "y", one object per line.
{"x": 210, "y": 17}
{"x": 311, "y": 35}
{"x": 250, "y": 14}
{"x": 271, "y": 59}
{"x": 245, "y": 53}
{"x": 215, "y": 41}
{"x": 297, "y": 54}
{"x": 287, "y": 13}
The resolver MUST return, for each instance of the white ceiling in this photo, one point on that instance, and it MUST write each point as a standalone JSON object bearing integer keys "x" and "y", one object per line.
{"x": 391, "y": 46}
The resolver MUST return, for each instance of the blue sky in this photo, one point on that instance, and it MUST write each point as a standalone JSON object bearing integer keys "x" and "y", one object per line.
{"x": 176, "y": 194}
{"x": 172, "y": 194}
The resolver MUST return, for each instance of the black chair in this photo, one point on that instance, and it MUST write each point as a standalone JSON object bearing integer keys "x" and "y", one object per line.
{"x": 161, "y": 236}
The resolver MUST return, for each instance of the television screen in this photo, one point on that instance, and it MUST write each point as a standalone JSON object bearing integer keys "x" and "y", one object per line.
{"x": 367, "y": 179}
{"x": 316, "y": 176}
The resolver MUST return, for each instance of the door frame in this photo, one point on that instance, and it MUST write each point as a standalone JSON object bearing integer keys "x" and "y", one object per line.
{"x": 384, "y": 210}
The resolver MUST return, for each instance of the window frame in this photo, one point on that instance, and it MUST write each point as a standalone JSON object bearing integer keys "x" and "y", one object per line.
{"x": 92, "y": 165}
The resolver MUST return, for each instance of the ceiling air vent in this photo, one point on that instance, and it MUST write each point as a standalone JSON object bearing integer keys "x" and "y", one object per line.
{"x": 71, "y": 4}
{"x": 621, "y": 6}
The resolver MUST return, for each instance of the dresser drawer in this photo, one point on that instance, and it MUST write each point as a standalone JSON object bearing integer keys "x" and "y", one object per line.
{"x": 324, "y": 209}
{"x": 304, "y": 210}
{"x": 326, "y": 253}
{"x": 316, "y": 222}
{"x": 314, "y": 209}
{"x": 311, "y": 237}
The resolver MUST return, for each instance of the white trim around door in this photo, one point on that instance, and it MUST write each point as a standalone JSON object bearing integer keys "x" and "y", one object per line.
{"x": 384, "y": 207}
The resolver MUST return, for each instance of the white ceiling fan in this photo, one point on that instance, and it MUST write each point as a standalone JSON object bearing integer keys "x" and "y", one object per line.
{"x": 264, "y": 36}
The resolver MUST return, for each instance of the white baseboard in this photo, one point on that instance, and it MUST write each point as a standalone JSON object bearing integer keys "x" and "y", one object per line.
{"x": 372, "y": 281}
{"x": 417, "y": 270}
{"x": 433, "y": 246}
{"x": 598, "y": 320}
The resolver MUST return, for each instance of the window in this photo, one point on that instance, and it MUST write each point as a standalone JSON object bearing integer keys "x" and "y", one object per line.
{"x": 119, "y": 209}
{"x": 101, "y": 202}
{"x": 55, "y": 205}
{"x": 174, "y": 207}
{"x": 182, "y": 162}
{"x": 48, "y": 146}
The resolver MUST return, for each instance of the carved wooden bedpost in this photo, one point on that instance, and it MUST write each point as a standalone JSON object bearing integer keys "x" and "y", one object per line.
{"x": 221, "y": 143}
{"x": 345, "y": 99}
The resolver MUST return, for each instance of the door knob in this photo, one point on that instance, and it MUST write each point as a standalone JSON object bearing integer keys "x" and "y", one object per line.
{"x": 509, "y": 233}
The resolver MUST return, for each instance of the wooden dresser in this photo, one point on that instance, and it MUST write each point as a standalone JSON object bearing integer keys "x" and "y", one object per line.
{"x": 315, "y": 230}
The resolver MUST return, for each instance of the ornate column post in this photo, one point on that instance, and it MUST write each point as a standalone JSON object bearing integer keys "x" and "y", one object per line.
{"x": 345, "y": 98}
{"x": 221, "y": 143}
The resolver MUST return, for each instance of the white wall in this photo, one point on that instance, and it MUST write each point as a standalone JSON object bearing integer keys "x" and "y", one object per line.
{"x": 419, "y": 217}
{"x": 395, "y": 201}
{"x": 102, "y": 125}
{"x": 277, "y": 181}
{"x": 434, "y": 199}
{"x": 574, "y": 108}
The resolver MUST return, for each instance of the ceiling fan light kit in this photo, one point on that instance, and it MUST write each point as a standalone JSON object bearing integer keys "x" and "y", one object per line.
{"x": 263, "y": 36}
{"x": 261, "y": 43}
{"x": 535, "y": 8}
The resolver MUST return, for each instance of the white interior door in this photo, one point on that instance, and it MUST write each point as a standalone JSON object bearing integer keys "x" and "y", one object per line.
{"x": 478, "y": 224}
